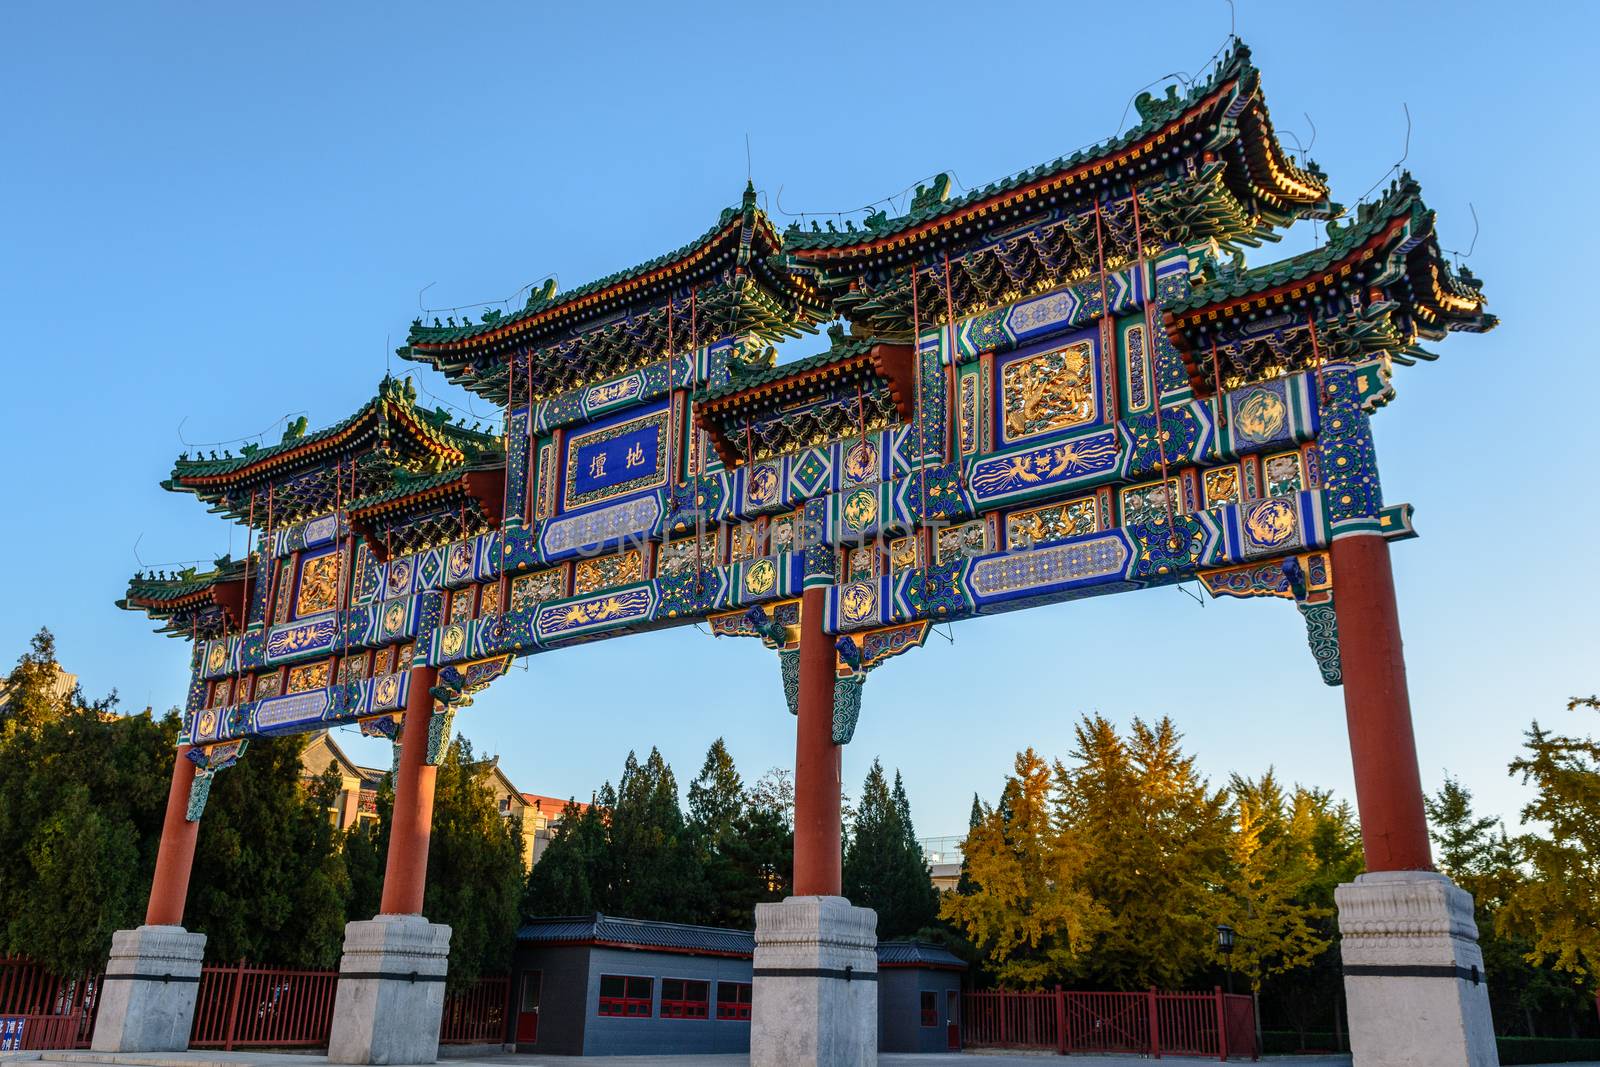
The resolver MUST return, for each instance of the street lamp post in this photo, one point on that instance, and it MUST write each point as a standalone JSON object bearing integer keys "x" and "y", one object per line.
{"x": 1225, "y": 936}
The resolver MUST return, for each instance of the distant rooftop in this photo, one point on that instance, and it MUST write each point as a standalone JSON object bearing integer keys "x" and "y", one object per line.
{"x": 610, "y": 931}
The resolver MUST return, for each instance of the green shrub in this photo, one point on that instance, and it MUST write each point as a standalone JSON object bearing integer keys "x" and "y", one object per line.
{"x": 1547, "y": 1049}
{"x": 1287, "y": 1042}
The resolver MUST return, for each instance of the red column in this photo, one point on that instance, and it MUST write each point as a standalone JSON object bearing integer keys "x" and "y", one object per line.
{"x": 405, "y": 875}
{"x": 175, "y": 858}
{"x": 817, "y": 827}
{"x": 1394, "y": 826}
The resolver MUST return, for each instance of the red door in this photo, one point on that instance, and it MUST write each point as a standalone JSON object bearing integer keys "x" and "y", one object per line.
{"x": 952, "y": 1019}
{"x": 528, "y": 1008}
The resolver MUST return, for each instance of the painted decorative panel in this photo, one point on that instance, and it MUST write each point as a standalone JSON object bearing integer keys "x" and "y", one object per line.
{"x": 783, "y": 533}
{"x": 1283, "y": 473}
{"x": 353, "y": 668}
{"x": 573, "y": 618}
{"x": 1136, "y": 369}
{"x": 905, "y": 553}
{"x": 571, "y": 534}
{"x": 607, "y": 572}
{"x": 1049, "y": 570}
{"x": 1148, "y": 504}
{"x": 310, "y": 676}
{"x": 967, "y": 413}
{"x": 861, "y": 461}
{"x": 745, "y": 541}
{"x": 1271, "y": 526}
{"x": 302, "y": 638}
{"x": 967, "y": 539}
{"x": 268, "y": 685}
{"x": 530, "y": 589}
{"x": 1023, "y": 473}
{"x": 763, "y": 484}
{"x": 679, "y": 556}
{"x": 1222, "y": 485}
{"x": 1052, "y": 390}
{"x": 1054, "y": 522}
{"x": 861, "y": 563}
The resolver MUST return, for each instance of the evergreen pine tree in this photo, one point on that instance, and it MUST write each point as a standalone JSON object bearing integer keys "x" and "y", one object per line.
{"x": 884, "y": 868}
{"x": 563, "y": 881}
{"x": 716, "y": 797}
{"x": 82, "y": 795}
{"x": 366, "y": 851}
{"x": 965, "y": 885}
{"x": 653, "y": 873}
{"x": 474, "y": 868}
{"x": 269, "y": 881}
{"x": 728, "y": 840}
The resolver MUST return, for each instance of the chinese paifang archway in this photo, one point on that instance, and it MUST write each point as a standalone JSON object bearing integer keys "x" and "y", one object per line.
{"x": 1061, "y": 385}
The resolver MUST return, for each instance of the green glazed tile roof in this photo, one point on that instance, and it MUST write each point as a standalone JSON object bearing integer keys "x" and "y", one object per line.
{"x": 405, "y": 485}
{"x": 1402, "y": 199}
{"x": 929, "y": 204}
{"x": 156, "y": 589}
{"x": 843, "y": 348}
{"x": 547, "y": 298}
{"x": 393, "y": 394}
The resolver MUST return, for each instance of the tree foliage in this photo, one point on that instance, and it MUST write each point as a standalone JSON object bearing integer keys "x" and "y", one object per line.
{"x": 474, "y": 868}
{"x": 1278, "y": 892}
{"x": 884, "y": 868}
{"x": 741, "y": 840}
{"x": 1475, "y": 851}
{"x": 269, "y": 882}
{"x": 633, "y": 852}
{"x": 1560, "y": 904}
{"x": 1026, "y": 909}
{"x": 1155, "y": 839}
{"x": 1113, "y": 869}
{"x": 82, "y": 795}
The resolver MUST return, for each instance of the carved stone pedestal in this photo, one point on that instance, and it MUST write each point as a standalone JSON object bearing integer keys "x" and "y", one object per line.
{"x": 148, "y": 996}
{"x": 1413, "y": 973}
{"x": 391, "y": 991}
{"x": 815, "y": 1001}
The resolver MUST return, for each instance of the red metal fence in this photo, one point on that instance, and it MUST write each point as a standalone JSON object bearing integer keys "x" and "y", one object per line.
{"x": 238, "y": 1006}
{"x": 40, "y": 1010}
{"x": 263, "y": 1007}
{"x": 477, "y": 1016}
{"x": 1152, "y": 1023}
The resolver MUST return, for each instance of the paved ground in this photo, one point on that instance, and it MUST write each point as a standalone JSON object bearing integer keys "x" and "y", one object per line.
{"x": 284, "y": 1059}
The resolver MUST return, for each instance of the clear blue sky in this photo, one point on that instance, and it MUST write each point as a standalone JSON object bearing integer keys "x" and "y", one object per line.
{"x": 215, "y": 215}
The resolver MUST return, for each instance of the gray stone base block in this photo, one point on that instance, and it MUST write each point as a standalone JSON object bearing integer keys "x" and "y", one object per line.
{"x": 147, "y": 1001}
{"x": 815, "y": 1001}
{"x": 391, "y": 991}
{"x": 1413, "y": 973}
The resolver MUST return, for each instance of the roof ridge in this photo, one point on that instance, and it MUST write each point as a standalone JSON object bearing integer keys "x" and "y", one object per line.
{"x": 1404, "y": 194}
{"x": 930, "y": 203}
{"x": 401, "y": 392}
{"x": 548, "y": 298}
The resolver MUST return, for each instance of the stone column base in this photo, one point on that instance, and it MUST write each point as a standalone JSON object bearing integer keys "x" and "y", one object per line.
{"x": 815, "y": 1001}
{"x": 151, "y": 982}
{"x": 391, "y": 991}
{"x": 1413, "y": 972}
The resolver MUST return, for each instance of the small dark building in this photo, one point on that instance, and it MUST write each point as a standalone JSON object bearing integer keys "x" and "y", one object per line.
{"x": 603, "y": 986}
{"x": 919, "y": 997}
